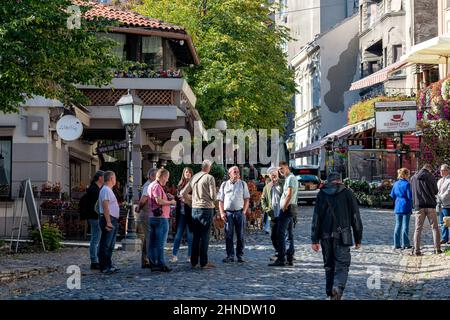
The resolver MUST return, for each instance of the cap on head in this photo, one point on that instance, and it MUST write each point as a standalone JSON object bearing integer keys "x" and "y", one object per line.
{"x": 333, "y": 176}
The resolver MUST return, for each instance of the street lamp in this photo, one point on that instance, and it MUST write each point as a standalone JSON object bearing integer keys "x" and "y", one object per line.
{"x": 290, "y": 144}
{"x": 222, "y": 125}
{"x": 130, "y": 109}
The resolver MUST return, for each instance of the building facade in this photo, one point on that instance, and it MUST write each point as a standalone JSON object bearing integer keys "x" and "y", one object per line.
{"x": 325, "y": 69}
{"x": 31, "y": 148}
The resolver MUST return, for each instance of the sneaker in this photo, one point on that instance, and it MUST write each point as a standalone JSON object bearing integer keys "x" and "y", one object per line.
{"x": 277, "y": 263}
{"x": 290, "y": 263}
{"x": 437, "y": 251}
{"x": 195, "y": 267}
{"x": 95, "y": 266}
{"x": 115, "y": 269}
{"x": 336, "y": 294}
{"x": 407, "y": 248}
{"x": 240, "y": 260}
{"x": 108, "y": 271}
{"x": 274, "y": 258}
{"x": 174, "y": 259}
{"x": 208, "y": 266}
{"x": 228, "y": 260}
{"x": 443, "y": 242}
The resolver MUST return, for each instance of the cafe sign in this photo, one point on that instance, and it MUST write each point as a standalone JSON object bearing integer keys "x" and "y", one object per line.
{"x": 69, "y": 128}
{"x": 112, "y": 147}
{"x": 398, "y": 116}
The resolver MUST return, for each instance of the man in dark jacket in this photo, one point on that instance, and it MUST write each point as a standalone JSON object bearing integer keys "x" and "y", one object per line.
{"x": 424, "y": 190}
{"x": 89, "y": 213}
{"x": 335, "y": 213}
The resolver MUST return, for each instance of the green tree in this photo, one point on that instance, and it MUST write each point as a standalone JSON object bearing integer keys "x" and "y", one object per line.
{"x": 41, "y": 55}
{"x": 243, "y": 75}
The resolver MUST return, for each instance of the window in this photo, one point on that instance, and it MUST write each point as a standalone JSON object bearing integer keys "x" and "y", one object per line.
{"x": 373, "y": 66}
{"x": 396, "y": 5}
{"x": 75, "y": 173}
{"x": 152, "y": 51}
{"x": 120, "y": 38}
{"x": 447, "y": 20}
{"x": 396, "y": 52}
{"x": 5, "y": 166}
{"x": 372, "y": 13}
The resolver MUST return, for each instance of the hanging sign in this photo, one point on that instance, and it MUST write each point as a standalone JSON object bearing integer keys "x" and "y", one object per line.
{"x": 395, "y": 116}
{"x": 69, "y": 128}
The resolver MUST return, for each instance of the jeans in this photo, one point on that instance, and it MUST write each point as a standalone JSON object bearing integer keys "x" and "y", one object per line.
{"x": 182, "y": 225}
{"x": 401, "y": 231}
{"x": 429, "y": 213}
{"x": 445, "y": 231}
{"x": 235, "y": 221}
{"x": 107, "y": 243}
{"x": 266, "y": 223}
{"x": 201, "y": 229}
{"x": 158, "y": 231}
{"x": 142, "y": 232}
{"x": 286, "y": 226}
{"x": 336, "y": 258}
{"x": 95, "y": 239}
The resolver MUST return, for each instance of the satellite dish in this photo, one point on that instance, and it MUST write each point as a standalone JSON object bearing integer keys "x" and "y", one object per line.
{"x": 69, "y": 128}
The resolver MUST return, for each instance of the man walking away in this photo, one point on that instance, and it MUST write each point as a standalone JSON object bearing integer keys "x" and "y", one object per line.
{"x": 142, "y": 223}
{"x": 288, "y": 211}
{"x": 424, "y": 189}
{"x": 87, "y": 212}
{"x": 109, "y": 217}
{"x": 234, "y": 199}
{"x": 203, "y": 188}
{"x": 335, "y": 212}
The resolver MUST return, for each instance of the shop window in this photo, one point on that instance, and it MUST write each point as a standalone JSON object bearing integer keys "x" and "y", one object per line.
{"x": 5, "y": 167}
{"x": 75, "y": 174}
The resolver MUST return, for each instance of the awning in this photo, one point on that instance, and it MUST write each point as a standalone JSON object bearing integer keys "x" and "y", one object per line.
{"x": 340, "y": 133}
{"x": 433, "y": 51}
{"x": 377, "y": 77}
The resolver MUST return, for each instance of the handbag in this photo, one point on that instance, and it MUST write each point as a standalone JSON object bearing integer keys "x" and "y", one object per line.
{"x": 344, "y": 233}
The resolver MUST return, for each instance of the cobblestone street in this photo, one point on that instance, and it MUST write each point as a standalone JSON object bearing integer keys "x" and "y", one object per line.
{"x": 401, "y": 276}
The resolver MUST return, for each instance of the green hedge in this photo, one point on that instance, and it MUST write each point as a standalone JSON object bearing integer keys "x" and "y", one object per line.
{"x": 371, "y": 194}
{"x": 217, "y": 171}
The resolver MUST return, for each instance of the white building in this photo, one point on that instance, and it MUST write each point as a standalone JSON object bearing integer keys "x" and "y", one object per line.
{"x": 325, "y": 68}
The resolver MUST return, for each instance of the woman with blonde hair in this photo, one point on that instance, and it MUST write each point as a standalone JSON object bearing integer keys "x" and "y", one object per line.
{"x": 158, "y": 224}
{"x": 183, "y": 217}
{"x": 402, "y": 195}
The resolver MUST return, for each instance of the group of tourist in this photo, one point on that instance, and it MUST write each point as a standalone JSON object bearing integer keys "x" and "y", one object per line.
{"x": 195, "y": 208}
{"x": 427, "y": 199}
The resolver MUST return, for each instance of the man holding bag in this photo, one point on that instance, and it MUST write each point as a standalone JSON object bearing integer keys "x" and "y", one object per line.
{"x": 336, "y": 212}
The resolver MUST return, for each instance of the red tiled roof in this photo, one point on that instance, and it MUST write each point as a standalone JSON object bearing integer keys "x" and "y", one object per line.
{"x": 126, "y": 17}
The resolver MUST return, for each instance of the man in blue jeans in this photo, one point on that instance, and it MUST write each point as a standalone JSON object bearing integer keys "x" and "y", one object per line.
{"x": 203, "y": 188}
{"x": 443, "y": 198}
{"x": 234, "y": 199}
{"x": 109, "y": 217}
{"x": 87, "y": 211}
{"x": 288, "y": 212}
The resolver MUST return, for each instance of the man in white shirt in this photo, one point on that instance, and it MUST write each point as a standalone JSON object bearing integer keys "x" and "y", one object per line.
{"x": 142, "y": 222}
{"x": 443, "y": 198}
{"x": 234, "y": 199}
{"x": 109, "y": 216}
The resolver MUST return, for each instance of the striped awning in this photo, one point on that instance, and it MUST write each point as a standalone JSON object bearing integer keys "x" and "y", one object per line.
{"x": 377, "y": 77}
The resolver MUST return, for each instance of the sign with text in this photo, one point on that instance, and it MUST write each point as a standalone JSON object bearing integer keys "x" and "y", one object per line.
{"x": 396, "y": 121}
{"x": 111, "y": 147}
{"x": 69, "y": 128}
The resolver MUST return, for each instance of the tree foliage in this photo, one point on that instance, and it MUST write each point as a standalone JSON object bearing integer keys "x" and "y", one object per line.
{"x": 40, "y": 55}
{"x": 243, "y": 75}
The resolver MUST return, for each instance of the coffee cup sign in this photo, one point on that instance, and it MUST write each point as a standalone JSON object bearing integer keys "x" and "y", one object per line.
{"x": 69, "y": 128}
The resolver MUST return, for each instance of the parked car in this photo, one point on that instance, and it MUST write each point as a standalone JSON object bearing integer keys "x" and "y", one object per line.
{"x": 308, "y": 188}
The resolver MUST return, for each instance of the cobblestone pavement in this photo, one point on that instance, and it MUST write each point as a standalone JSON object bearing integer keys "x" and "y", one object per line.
{"x": 400, "y": 276}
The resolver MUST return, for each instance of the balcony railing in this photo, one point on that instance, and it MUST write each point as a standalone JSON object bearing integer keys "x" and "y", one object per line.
{"x": 140, "y": 72}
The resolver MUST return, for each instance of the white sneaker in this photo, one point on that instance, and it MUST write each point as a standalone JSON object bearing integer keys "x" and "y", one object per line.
{"x": 174, "y": 259}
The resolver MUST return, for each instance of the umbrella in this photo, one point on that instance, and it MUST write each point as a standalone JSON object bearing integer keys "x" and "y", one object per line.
{"x": 433, "y": 51}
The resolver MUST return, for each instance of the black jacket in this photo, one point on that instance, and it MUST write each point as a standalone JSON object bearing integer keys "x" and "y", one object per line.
{"x": 424, "y": 189}
{"x": 346, "y": 212}
{"x": 92, "y": 194}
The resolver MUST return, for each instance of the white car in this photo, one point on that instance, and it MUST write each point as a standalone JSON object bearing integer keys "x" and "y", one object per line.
{"x": 308, "y": 188}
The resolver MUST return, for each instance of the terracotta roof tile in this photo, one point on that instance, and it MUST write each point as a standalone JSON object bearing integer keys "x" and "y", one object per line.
{"x": 126, "y": 17}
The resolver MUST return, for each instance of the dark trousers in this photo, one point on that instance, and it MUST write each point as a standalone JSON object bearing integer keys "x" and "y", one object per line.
{"x": 107, "y": 243}
{"x": 336, "y": 258}
{"x": 286, "y": 227}
{"x": 235, "y": 221}
{"x": 274, "y": 234}
{"x": 201, "y": 229}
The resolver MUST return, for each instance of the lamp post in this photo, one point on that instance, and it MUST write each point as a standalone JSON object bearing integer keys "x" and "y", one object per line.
{"x": 222, "y": 125}
{"x": 290, "y": 144}
{"x": 130, "y": 109}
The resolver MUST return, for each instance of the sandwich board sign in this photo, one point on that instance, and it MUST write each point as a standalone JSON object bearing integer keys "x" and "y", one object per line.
{"x": 33, "y": 214}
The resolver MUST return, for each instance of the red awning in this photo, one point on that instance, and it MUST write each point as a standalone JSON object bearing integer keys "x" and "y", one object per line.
{"x": 377, "y": 77}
